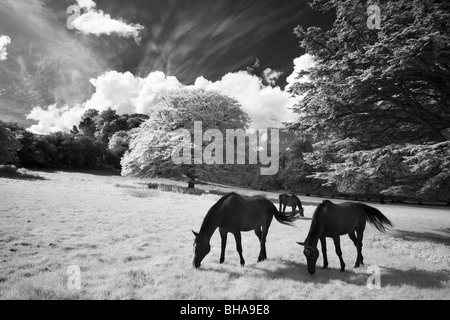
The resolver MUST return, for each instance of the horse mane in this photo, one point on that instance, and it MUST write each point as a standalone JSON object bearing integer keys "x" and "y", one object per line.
{"x": 313, "y": 229}
{"x": 214, "y": 209}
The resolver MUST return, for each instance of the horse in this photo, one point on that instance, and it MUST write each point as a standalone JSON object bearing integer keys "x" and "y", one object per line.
{"x": 333, "y": 220}
{"x": 290, "y": 200}
{"x": 235, "y": 213}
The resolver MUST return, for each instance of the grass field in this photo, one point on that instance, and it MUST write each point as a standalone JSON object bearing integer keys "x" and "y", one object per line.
{"x": 134, "y": 243}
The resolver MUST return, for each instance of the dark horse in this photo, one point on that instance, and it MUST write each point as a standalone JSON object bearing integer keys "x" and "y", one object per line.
{"x": 333, "y": 220}
{"x": 290, "y": 200}
{"x": 234, "y": 213}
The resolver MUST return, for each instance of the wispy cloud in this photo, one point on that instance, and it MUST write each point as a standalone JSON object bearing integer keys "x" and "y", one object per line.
{"x": 97, "y": 22}
{"x": 45, "y": 64}
{"x": 4, "y": 41}
{"x": 189, "y": 39}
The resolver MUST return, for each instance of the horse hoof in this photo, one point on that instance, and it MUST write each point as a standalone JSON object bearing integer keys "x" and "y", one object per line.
{"x": 324, "y": 267}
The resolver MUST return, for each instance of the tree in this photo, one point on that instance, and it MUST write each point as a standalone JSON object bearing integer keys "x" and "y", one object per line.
{"x": 87, "y": 125}
{"x": 417, "y": 172}
{"x": 105, "y": 124}
{"x": 380, "y": 86}
{"x": 8, "y": 146}
{"x": 152, "y": 144}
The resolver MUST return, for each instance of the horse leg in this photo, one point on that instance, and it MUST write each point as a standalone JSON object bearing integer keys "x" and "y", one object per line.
{"x": 284, "y": 208}
{"x": 353, "y": 237}
{"x": 337, "y": 244}
{"x": 237, "y": 237}
{"x": 323, "y": 243}
{"x": 360, "y": 258}
{"x": 258, "y": 233}
{"x": 223, "y": 236}
{"x": 265, "y": 231}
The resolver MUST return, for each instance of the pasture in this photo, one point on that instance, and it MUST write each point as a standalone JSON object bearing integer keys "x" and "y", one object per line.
{"x": 134, "y": 243}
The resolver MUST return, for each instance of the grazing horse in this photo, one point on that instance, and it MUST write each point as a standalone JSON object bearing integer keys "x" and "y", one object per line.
{"x": 333, "y": 220}
{"x": 290, "y": 200}
{"x": 234, "y": 213}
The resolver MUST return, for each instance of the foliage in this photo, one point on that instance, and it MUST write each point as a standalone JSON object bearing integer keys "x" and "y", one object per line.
{"x": 152, "y": 144}
{"x": 379, "y": 86}
{"x": 418, "y": 172}
{"x": 8, "y": 145}
{"x": 104, "y": 125}
{"x": 119, "y": 144}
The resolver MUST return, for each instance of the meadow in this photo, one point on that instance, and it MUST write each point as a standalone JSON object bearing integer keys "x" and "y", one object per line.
{"x": 131, "y": 242}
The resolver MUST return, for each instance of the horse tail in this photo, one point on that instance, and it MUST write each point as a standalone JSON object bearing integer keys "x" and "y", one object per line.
{"x": 376, "y": 218}
{"x": 285, "y": 218}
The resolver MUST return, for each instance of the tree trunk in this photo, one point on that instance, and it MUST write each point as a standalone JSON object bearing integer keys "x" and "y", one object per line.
{"x": 191, "y": 184}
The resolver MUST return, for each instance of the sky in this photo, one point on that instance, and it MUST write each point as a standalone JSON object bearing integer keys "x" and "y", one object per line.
{"x": 59, "y": 58}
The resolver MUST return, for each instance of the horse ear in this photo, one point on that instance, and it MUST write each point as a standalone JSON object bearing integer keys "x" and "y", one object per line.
{"x": 195, "y": 233}
{"x": 301, "y": 243}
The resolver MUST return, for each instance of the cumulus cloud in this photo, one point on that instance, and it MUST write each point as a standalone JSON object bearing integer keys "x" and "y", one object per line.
{"x": 301, "y": 63}
{"x": 267, "y": 106}
{"x": 271, "y": 76}
{"x": 4, "y": 41}
{"x": 95, "y": 21}
{"x": 54, "y": 118}
{"x": 122, "y": 92}
{"x": 86, "y": 4}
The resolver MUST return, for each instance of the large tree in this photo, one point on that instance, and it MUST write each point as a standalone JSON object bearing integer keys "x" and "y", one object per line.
{"x": 381, "y": 86}
{"x": 152, "y": 144}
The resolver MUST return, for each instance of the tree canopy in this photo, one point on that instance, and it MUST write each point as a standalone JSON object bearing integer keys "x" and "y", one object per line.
{"x": 152, "y": 144}
{"x": 383, "y": 86}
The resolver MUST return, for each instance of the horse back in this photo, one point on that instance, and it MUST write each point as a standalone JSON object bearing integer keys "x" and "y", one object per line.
{"x": 245, "y": 213}
{"x": 290, "y": 199}
{"x": 340, "y": 219}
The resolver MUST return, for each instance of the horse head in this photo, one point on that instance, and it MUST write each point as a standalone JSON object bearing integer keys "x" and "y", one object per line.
{"x": 301, "y": 211}
{"x": 201, "y": 249}
{"x": 312, "y": 254}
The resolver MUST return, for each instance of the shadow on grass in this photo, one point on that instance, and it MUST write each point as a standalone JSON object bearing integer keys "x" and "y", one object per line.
{"x": 95, "y": 172}
{"x": 422, "y": 236}
{"x": 20, "y": 176}
{"x": 389, "y": 276}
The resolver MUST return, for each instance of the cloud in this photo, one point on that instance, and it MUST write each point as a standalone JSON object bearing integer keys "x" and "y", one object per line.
{"x": 53, "y": 118}
{"x": 97, "y": 22}
{"x": 122, "y": 92}
{"x": 86, "y": 4}
{"x": 267, "y": 106}
{"x": 271, "y": 76}
{"x": 4, "y": 41}
{"x": 301, "y": 63}
{"x": 46, "y": 64}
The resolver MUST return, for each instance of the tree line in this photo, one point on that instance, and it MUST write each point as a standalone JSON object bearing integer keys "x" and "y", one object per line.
{"x": 98, "y": 141}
